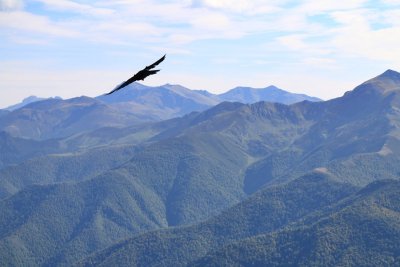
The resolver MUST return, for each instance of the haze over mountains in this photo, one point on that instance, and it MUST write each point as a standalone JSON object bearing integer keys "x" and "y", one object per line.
{"x": 26, "y": 101}
{"x": 310, "y": 183}
{"x": 40, "y": 118}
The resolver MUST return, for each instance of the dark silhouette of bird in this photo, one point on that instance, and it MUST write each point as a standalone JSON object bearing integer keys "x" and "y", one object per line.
{"x": 141, "y": 75}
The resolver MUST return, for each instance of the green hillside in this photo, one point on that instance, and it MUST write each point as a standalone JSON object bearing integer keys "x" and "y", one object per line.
{"x": 56, "y": 118}
{"x": 234, "y": 167}
{"x": 268, "y": 210}
{"x": 365, "y": 231}
{"x": 60, "y": 168}
{"x": 46, "y": 225}
{"x": 318, "y": 224}
{"x": 14, "y": 150}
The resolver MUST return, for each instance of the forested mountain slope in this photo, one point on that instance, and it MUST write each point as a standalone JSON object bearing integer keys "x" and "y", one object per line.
{"x": 186, "y": 170}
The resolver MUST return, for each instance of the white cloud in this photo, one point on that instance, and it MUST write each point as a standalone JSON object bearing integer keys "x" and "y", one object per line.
{"x": 67, "y": 5}
{"x": 240, "y": 6}
{"x": 28, "y": 22}
{"x": 211, "y": 22}
{"x": 42, "y": 79}
{"x": 317, "y": 7}
{"x": 120, "y": 28}
{"x": 320, "y": 62}
{"x": 10, "y": 5}
{"x": 356, "y": 36}
{"x": 391, "y": 2}
{"x": 376, "y": 45}
{"x": 293, "y": 42}
{"x": 260, "y": 35}
{"x": 177, "y": 23}
{"x": 299, "y": 43}
{"x": 391, "y": 17}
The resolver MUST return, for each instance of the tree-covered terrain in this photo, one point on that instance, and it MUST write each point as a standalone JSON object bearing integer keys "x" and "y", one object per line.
{"x": 267, "y": 210}
{"x": 364, "y": 230}
{"x": 189, "y": 190}
{"x": 54, "y": 117}
{"x": 312, "y": 221}
{"x": 59, "y": 168}
{"x": 14, "y": 150}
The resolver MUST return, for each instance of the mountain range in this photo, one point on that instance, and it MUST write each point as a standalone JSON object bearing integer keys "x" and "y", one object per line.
{"x": 28, "y": 100}
{"x": 39, "y": 118}
{"x": 56, "y": 118}
{"x": 312, "y": 221}
{"x": 237, "y": 184}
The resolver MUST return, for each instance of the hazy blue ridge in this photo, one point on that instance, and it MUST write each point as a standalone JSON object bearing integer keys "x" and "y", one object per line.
{"x": 56, "y": 118}
{"x": 28, "y": 100}
{"x": 39, "y": 118}
{"x": 271, "y": 93}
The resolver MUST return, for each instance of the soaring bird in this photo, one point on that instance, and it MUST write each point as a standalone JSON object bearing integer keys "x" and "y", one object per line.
{"x": 141, "y": 75}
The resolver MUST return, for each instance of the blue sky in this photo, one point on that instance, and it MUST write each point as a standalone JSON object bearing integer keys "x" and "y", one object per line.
{"x": 70, "y": 48}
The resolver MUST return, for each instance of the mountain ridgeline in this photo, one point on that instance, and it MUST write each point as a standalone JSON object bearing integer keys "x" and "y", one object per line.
{"x": 26, "y": 101}
{"x": 312, "y": 221}
{"x": 237, "y": 184}
{"x": 41, "y": 119}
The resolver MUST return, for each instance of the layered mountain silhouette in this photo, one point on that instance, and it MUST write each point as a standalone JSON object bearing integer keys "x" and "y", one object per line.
{"x": 236, "y": 184}
{"x": 271, "y": 93}
{"x": 169, "y": 101}
{"x": 26, "y": 101}
{"x": 54, "y": 118}
{"x": 163, "y": 102}
{"x": 40, "y": 118}
{"x": 312, "y": 221}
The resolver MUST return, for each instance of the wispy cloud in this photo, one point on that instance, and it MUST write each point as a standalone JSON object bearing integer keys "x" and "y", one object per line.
{"x": 186, "y": 21}
{"x": 30, "y": 23}
{"x": 391, "y": 2}
{"x": 10, "y": 5}
{"x": 211, "y": 36}
{"x": 356, "y": 35}
{"x": 68, "y": 5}
{"x": 241, "y": 6}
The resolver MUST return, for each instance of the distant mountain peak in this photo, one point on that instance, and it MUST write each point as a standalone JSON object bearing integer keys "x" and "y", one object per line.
{"x": 385, "y": 83}
{"x": 390, "y": 74}
{"x": 270, "y": 87}
{"x": 270, "y": 93}
{"x": 28, "y": 100}
{"x": 31, "y": 98}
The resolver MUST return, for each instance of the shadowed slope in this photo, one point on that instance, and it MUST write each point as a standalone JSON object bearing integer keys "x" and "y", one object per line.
{"x": 362, "y": 232}
{"x": 206, "y": 162}
{"x": 56, "y": 118}
{"x": 271, "y": 209}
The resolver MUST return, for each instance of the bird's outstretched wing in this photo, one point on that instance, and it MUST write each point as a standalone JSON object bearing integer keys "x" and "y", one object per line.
{"x": 140, "y": 75}
{"x": 155, "y": 63}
